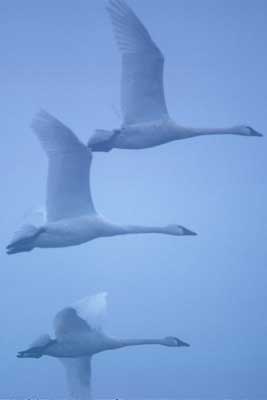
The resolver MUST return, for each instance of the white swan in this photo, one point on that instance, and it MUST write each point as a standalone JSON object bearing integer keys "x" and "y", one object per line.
{"x": 71, "y": 216}
{"x": 146, "y": 119}
{"x": 78, "y": 337}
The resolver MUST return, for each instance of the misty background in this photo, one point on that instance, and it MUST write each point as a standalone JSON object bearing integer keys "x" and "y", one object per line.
{"x": 208, "y": 290}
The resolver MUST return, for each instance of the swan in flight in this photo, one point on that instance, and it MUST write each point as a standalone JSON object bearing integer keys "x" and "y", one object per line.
{"x": 79, "y": 336}
{"x": 146, "y": 121}
{"x": 71, "y": 218}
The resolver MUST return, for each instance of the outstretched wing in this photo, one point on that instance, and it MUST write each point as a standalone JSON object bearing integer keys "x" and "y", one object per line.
{"x": 84, "y": 316}
{"x": 78, "y": 374}
{"x": 92, "y": 309}
{"x": 68, "y": 188}
{"x": 142, "y": 91}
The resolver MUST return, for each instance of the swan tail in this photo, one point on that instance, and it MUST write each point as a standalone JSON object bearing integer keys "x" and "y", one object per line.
{"x": 34, "y": 352}
{"x": 103, "y": 140}
{"x": 24, "y": 239}
{"x": 37, "y": 348}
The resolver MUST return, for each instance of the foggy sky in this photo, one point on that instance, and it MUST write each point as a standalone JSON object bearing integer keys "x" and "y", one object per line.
{"x": 208, "y": 290}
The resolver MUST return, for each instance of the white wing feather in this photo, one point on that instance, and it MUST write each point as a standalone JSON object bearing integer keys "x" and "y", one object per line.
{"x": 92, "y": 309}
{"x": 142, "y": 90}
{"x": 69, "y": 161}
{"x": 78, "y": 374}
{"x": 83, "y": 316}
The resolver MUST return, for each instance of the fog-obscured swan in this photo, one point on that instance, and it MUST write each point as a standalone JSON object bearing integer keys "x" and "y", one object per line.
{"x": 71, "y": 215}
{"x": 146, "y": 121}
{"x": 78, "y": 337}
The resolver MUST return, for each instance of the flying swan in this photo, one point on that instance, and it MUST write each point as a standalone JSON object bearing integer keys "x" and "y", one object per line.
{"x": 78, "y": 337}
{"x": 71, "y": 218}
{"x": 146, "y": 121}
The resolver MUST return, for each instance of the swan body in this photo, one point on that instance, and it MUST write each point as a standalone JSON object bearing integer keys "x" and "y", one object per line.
{"x": 71, "y": 218}
{"x": 146, "y": 121}
{"x": 151, "y": 134}
{"x": 79, "y": 337}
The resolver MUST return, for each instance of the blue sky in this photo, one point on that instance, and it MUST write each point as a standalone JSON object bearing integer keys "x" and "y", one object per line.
{"x": 209, "y": 290}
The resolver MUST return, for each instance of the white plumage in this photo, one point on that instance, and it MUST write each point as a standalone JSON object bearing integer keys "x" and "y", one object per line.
{"x": 79, "y": 336}
{"x": 69, "y": 162}
{"x": 71, "y": 215}
{"x": 146, "y": 122}
{"x": 92, "y": 309}
{"x": 142, "y": 92}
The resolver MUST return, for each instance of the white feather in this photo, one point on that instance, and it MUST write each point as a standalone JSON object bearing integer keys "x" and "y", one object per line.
{"x": 78, "y": 374}
{"x": 92, "y": 309}
{"x": 142, "y": 91}
{"x": 81, "y": 317}
{"x": 68, "y": 189}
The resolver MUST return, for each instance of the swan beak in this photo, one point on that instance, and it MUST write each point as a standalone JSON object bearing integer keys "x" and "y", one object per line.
{"x": 187, "y": 232}
{"x": 255, "y": 133}
{"x": 180, "y": 343}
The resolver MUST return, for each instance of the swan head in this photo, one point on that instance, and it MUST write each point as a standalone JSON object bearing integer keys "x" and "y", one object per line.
{"x": 178, "y": 230}
{"x": 245, "y": 130}
{"x": 172, "y": 341}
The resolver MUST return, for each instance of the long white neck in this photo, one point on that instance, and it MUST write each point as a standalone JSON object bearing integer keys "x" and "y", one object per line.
{"x": 113, "y": 229}
{"x": 168, "y": 341}
{"x": 135, "y": 229}
{"x": 184, "y": 132}
{"x": 119, "y": 343}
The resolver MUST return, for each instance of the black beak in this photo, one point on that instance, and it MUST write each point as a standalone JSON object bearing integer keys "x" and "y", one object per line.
{"x": 180, "y": 343}
{"x": 187, "y": 232}
{"x": 255, "y": 133}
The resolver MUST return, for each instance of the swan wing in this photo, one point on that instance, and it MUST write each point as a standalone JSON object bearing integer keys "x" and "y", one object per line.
{"x": 69, "y": 161}
{"x": 142, "y": 90}
{"x": 92, "y": 309}
{"x": 78, "y": 374}
{"x": 68, "y": 322}
{"x": 82, "y": 317}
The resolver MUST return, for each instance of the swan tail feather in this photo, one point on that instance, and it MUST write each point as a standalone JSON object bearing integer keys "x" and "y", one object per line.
{"x": 34, "y": 352}
{"x": 37, "y": 348}
{"x": 24, "y": 239}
